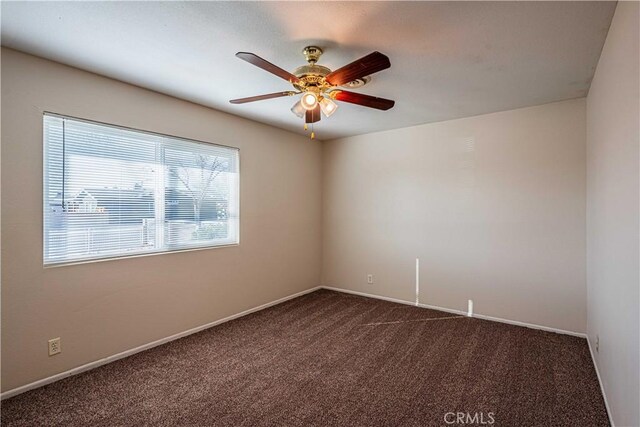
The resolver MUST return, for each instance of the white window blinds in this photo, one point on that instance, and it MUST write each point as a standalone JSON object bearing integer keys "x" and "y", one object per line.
{"x": 111, "y": 192}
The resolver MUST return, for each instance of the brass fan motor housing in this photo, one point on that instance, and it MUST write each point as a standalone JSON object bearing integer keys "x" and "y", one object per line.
{"x": 311, "y": 70}
{"x": 311, "y": 75}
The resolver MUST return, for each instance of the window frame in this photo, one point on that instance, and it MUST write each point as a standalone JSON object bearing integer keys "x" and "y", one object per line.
{"x": 167, "y": 249}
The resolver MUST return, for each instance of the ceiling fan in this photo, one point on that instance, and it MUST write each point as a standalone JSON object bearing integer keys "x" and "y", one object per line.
{"x": 320, "y": 86}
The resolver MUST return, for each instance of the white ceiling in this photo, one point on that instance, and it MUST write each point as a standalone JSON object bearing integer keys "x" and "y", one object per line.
{"x": 448, "y": 59}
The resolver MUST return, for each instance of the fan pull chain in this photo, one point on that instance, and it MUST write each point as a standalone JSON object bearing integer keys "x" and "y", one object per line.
{"x": 313, "y": 134}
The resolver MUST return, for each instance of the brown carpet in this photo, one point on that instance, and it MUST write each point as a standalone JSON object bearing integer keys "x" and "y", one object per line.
{"x": 332, "y": 359}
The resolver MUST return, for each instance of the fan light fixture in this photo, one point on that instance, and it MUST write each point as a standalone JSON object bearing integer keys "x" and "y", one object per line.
{"x": 298, "y": 109}
{"x": 309, "y": 100}
{"x": 327, "y": 106}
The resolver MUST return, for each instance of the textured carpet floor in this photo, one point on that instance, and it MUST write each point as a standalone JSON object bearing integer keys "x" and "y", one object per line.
{"x": 331, "y": 359}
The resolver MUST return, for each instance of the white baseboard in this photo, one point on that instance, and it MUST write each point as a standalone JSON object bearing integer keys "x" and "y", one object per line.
{"x": 604, "y": 395}
{"x": 531, "y": 325}
{"x": 364, "y": 294}
{"x": 464, "y": 313}
{"x": 445, "y": 309}
{"x": 92, "y": 365}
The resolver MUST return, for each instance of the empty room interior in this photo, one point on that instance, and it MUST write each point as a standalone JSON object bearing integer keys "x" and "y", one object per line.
{"x": 320, "y": 213}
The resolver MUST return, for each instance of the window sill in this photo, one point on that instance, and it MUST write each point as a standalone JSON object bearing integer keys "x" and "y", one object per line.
{"x": 140, "y": 255}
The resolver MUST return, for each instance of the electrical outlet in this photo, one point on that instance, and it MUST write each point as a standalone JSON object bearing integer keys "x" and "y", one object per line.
{"x": 370, "y": 279}
{"x": 597, "y": 343}
{"x": 54, "y": 346}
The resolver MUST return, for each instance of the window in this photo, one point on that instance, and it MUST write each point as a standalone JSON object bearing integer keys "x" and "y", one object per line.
{"x": 112, "y": 192}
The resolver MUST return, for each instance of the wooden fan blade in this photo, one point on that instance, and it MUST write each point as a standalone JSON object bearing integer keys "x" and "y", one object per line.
{"x": 364, "y": 66}
{"x": 312, "y": 116}
{"x": 267, "y": 66}
{"x": 261, "y": 97}
{"x": 361, "y": 99}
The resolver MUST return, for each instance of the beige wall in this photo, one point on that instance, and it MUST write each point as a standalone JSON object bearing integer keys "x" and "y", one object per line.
{"x": 613, "y": 126}
{"x": 493, "y": 205}
{"x": 103, "y": 308}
